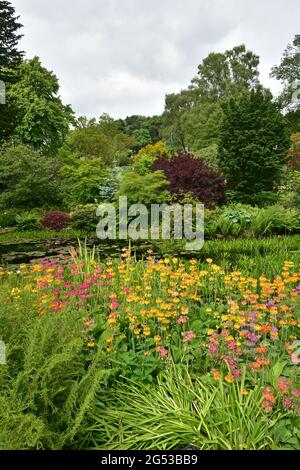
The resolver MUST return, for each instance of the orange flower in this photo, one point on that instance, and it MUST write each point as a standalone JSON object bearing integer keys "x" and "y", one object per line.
{"x": 229, "y": 378}
{"x": 256, "y": 365}
{"x": 216, "y": 374}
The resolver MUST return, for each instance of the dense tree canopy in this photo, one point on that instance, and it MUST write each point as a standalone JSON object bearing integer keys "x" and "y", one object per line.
{"x": 144, "y": 130}
{"x": 192, "y": 117}
{"x": 253, "y": 143}
{"x": 10, "y": 56}
{"x": 221, "y": 74}
{"x": 27, "y": 179}
{"x": 42, "y": 120}
{"x": 100, "y": 139}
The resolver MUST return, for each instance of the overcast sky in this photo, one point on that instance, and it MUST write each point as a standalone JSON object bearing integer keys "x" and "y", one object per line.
{"x": 122, "y": 56}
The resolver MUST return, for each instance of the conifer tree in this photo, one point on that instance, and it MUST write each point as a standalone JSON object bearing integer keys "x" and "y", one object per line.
{"x": 253, "y": 144}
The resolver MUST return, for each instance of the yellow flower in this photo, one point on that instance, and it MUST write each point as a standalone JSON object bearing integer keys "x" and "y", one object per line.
{"x": 245, "y": 392}
{"x": 210, "y": 332}
{"x": 209, "y": 260}
{"x": 146, "y": 331}
{"x": 37, "y": 268}
{"x": 229, "y": 338}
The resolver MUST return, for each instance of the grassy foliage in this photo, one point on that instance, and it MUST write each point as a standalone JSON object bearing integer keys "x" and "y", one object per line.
{"x": 28, "y": 235}
{"x": 180, "y": 410}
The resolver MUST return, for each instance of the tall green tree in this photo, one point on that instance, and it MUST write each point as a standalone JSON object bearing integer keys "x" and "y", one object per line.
{"x": 253, "y": 144}
{"x": 9, "y": 37}
{"x": 10, "y": 57}
{"x": 221, "y": 74}
{"x": 288, "y": 72}
{"x": 42, "y": 120}
{"x": 192, "y": 117}
{"x": 173, "y": 129}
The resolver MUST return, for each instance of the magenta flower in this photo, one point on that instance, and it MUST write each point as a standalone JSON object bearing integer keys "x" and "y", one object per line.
{"x": 43, "y": 284}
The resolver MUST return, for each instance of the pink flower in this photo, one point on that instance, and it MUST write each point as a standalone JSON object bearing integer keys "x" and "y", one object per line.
{"x": 85, "y": 285}
{"x": 114, "y": 304}
{"x": 182, "y": 320}
{"x": 85, "y": 295}
{"x": 288, "y": 402}
{"x": 162, "y": 351}
{"x": 296, "y": 392}
{"x": 283, "y": 384}
{"x": 237, "y": 373}
{"x": 267, "y": 406}
{"x": 232, "y": 345}
{"x": 43, "y": 284}
{"x": 213, "y": 349}
{"x": 268, "y": 394}
{"x": 189, "y": 336}
{"x": 295, "y": 357}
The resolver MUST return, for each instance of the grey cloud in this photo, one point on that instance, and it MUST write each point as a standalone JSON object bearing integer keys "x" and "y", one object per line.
{"x": 123, "y": 56}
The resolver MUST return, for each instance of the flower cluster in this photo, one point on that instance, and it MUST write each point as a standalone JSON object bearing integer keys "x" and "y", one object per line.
{"x": 155, "y": 307}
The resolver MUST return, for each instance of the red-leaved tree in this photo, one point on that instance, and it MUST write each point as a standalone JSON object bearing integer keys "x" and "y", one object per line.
{"x": 55, "y": 220}
{"x": 189, "y": 175}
